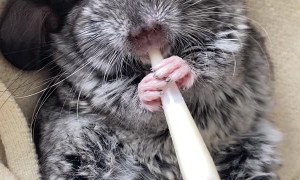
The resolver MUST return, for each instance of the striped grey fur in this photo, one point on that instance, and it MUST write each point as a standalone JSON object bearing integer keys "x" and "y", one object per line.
{"x": 93, "y": 127}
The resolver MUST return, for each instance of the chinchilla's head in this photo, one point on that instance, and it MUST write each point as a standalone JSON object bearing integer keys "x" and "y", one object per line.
{"x": 134, "y": 27}
{"x": 131, "y": 27}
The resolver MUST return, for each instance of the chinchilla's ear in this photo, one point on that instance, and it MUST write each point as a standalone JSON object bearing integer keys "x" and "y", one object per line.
{"x": 24, "y": 33}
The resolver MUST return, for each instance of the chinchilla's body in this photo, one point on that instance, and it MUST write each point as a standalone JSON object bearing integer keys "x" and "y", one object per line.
{"x": 93, "y": 124}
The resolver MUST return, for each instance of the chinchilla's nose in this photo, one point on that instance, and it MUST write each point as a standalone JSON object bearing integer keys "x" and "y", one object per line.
{"x": 151, "y": 31}
{"x": 146, "y": 30}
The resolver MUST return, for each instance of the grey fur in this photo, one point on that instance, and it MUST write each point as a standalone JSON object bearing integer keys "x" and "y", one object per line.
{"x": 92, "y": 125}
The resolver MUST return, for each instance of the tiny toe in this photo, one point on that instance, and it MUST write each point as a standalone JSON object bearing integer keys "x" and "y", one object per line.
{"x": 167, "y": 61}
{"x": 148, "y": 78}
{"x": 186, "y": 82}
{"x": 179, "y": 73}
{"x": 169, "y": 68}
{"x": 151, "y": 95}
{"x": 152, "y": 85}
{"x": 163, "y": 63}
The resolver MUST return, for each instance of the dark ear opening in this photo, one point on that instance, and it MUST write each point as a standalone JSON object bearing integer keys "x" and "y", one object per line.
{"x": 24, "y": 33}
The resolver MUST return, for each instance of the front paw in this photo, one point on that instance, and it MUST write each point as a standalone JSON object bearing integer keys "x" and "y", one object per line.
{"x": 175, "y": 69}
{"x": 151, "y": 88}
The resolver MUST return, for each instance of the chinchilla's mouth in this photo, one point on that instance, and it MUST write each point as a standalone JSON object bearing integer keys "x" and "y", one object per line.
{"x": 165, "y": 50}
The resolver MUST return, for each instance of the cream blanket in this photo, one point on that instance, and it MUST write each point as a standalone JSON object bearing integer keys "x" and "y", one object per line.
{"x": 280, "y": 19}
{"x": 17, "y": 152}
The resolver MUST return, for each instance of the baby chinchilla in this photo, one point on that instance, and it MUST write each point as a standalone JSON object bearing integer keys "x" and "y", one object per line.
{"x": 103, "y": 120}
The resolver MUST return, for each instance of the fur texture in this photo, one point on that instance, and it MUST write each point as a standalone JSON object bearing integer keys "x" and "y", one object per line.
{"x": 92, "y": 124}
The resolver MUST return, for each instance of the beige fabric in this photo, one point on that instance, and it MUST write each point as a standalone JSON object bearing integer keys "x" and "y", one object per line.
{"x": 281, "y": 20}
{"x": 21, "y": 84}
{"x": 19, "y": 159}
{"x": 17, "y": 154}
